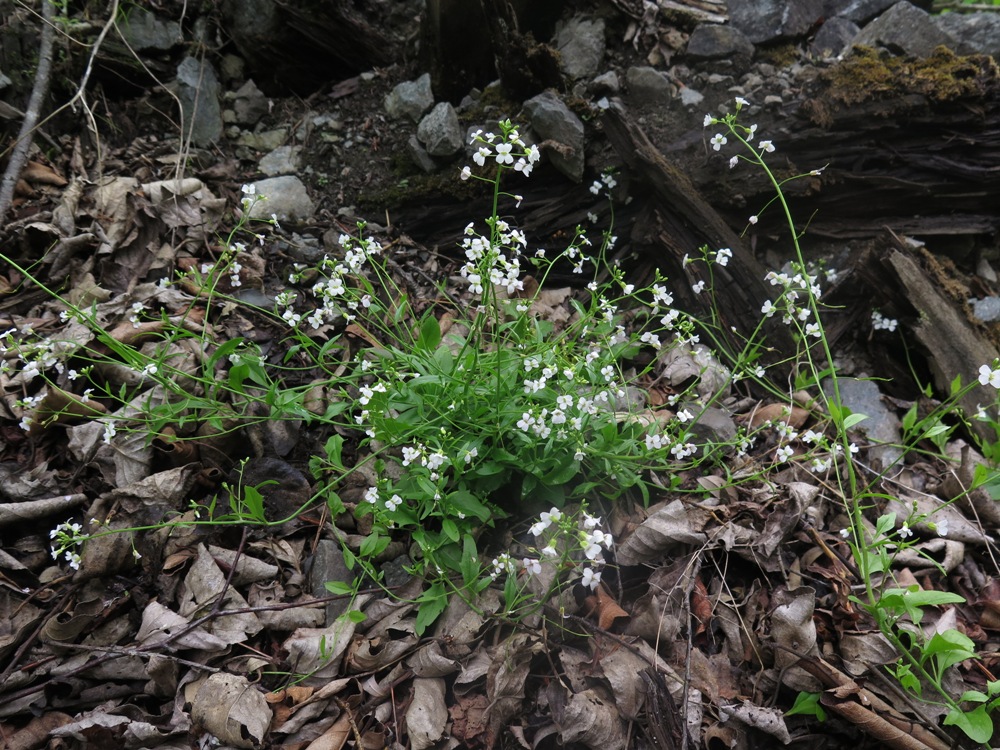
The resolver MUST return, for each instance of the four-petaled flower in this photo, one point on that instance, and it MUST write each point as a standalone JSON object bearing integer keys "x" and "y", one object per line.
{"x": 718, "y": 141}
{"x": 989, "y": 376}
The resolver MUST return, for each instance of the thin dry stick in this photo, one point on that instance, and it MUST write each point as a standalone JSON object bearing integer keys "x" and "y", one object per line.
{"x": 39, "y": 91}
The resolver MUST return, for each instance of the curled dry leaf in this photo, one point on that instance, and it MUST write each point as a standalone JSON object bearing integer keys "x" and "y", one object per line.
{"x": 794, "y": 634}
{"x": 671, "y": 525}
{"x": 427, "y": 715}
{"x": 232, "y": 709}
{"x": 586, "y": 717}
{"x": 768, "y": 720}
{"x": 792, "y": 415}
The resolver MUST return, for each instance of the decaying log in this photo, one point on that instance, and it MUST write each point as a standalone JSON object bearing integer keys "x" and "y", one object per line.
{"x": 678, "y": 222}
{"x": 912, "y": 145}
{"x": 955, "y": 343}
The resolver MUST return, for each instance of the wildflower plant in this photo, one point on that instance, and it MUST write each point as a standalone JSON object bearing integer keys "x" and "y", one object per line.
{"x": 896, "y": 611}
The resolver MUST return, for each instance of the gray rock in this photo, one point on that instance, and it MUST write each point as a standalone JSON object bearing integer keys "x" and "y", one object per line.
{"x": 710, "y": 41}
{"x": 283, "y": 160}
{"x": 266, "y": 140}
{"x": 649, "y": 85}
{"x": 974, "y": 33}
{"x": 904, "y": 28}
{"x": 231, "y": 68}
{"x": 410, "y": 98}
{"x": 606, "y": 84}
{"x": 987, "y": 309}
{"x": 859, "y": 11}
{"x": 144, "y": 31}
{"x": 198, "y": 92}
{"x": 770, "y": 20}
{"x": 581, "y": 45}
{"x": 328, "y": 566}
{"x": 833, "y": 37}
{"x": 5, "y": 81}
{"x": 249, "y": 104}
{"x": 690, "y": 97}
{"x": 419, "y": 155}
{"x": 713, "y": 426}
{"x": 882, "y": 425}
{"x": 439, "y": 131}
{"x": 552, "y": 120}
{"x": 286, "y": 197}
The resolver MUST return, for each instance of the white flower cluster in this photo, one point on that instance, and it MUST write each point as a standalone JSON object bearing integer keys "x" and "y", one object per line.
{"x": 607, "y": 181}
{"x": 500, "y": 148}
{"x": 335, "y": 295}
{"x": 578, "y": 536}
{"x": 793, "y": 287}
{"x": 66, "y": 537}
{"x": 882, "y": 323}
{"x": 498, "y": 262}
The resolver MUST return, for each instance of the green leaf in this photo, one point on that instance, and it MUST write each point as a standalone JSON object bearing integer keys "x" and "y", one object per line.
{"x": 977, "y": 724}
{"x": 469, "y": 505}
{"x": 852, "y": 419}
{"x": 948, "y": 648}
{"x": 430, "y": 333}
{"x": 334, "y": 448}
{"x": 432, "y": 604}
{"x": 356, "y": 615}
{"x": 470, "y": 560}
{"x": 450, "y": 529}
{"x": 807, "y": 704}
{"x": 339, "y": 587}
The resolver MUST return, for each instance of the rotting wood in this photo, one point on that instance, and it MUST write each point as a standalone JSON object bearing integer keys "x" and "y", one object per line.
{"x": 909, "y": 144}
{"x": 677, "y": 223}
{"x": 955, "y": 344}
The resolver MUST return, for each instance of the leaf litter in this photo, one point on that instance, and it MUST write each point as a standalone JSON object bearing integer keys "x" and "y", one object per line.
{"x": 723, "y": 601}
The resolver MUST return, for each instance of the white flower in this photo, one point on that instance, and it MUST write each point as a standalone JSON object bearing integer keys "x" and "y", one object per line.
{"x": 550, "y": 550}
{"x": 845, "y": 533}
{"x": 709, "y": 120}
{"x": 766, "y": 145}
{"x": 109, "y": 432}
{"x": 942, "y": 527}
{"x": 723, "y": 255}
{"x": 741, "y": 103}
{"x": 783, "y": 453}
{"x": 698, "y": 287}
{"x": 590, "y": 578}
{"x": 595, "y": 188}
{"x": 734, "y": 161}
{"x": 718, "y": 141}
{"x": 768, "y": 308}
{"x": 988, "y": 376}
{"x": 684, "y": 415}
{"x": 371, "y": 495}
{"x": 393, "y": 502}
{"x": 503, "y": 154}
{"x": 904, "y": 531}
{"x": 465, "y": 174}
{"x": 753, "y": 219}
{"x": 531, "y": 566}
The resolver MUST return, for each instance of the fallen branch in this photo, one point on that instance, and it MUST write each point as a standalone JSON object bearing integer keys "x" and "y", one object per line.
{"x": 19, "y": 155}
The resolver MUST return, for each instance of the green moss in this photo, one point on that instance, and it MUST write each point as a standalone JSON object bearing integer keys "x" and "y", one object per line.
{"x": 944, "y": 76}
{"x": 781, "y": 56}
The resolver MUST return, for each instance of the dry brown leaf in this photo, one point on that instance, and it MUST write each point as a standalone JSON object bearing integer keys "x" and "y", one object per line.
{"x": 669, "y": 526}
{"x": 604, "y": 608}
{"x": 793, "y": 416}
{"x": 587, "y": 717}
{"x": 701, "y": 606}
{"x": 232, "y": 709}
{"x": 42, "y": 174}
{"x": 427, "y": 714}
{"x": 793, "y": 629}
{"x": 336, "y": 736}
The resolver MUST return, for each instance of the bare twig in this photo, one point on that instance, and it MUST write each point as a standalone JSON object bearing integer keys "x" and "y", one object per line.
{"x": 39, "y": 91}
